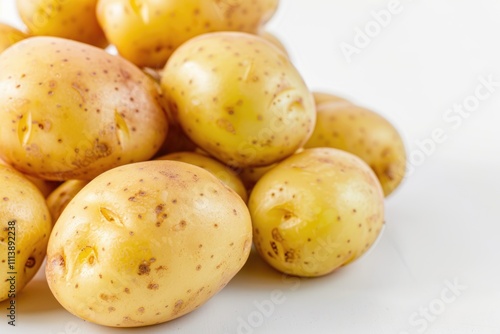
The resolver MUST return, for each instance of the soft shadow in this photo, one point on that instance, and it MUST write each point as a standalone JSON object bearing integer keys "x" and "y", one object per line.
{"x": 36, "y": 297}
{"x": 257, "y": 274}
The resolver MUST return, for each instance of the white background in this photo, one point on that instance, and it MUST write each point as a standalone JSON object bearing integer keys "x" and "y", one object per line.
{"x": 443, "y": 224}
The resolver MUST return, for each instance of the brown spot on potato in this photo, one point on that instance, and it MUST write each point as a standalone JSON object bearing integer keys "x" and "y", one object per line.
{"x": 153, "y": 286}
{"x": 144, "y": 268}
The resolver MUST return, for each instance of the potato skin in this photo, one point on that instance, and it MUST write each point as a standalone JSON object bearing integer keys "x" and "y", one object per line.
{"x": 316, "y": 211}
{"x": 364, "y": 133}
{"x": 72, "y": 111}
{"x": 145, "y": 243}
{"x": 9, "y": 36}
{"x": 74, "y": 20}
{"x": 222, "y": 172}
{"x": 59, "y": 198}
{"x": 23, "y": 203}
{"x": 147, "y": 32}
{"x": 321, "y": 97}
{"x": 239, "y": 98}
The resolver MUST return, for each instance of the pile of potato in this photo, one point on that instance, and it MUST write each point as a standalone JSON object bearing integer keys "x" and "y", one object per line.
{"x": 157, "y": 169}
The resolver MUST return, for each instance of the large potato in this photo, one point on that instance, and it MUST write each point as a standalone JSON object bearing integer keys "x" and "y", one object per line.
{"x": 364, "y": 133}
{"x": 25, "y": 226}
{"x": 145, "y": 243}
{"x": 221, "y": 171}
{"x": 72, "y": 19}
{"x": 316, "y": 211}
{"x": 9, "y": 36}
{"x": 147, "y": 32}
{"x": 71, "y": 110}
{"x": 239, "y": 98}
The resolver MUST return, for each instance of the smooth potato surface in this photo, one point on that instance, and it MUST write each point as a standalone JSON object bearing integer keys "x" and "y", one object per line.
{"x": 9, "y": 36}
{"x": 366, "y": 134}
{"x": 316, "y": 211}
{"x": 222, "y": 172}
{"x": 246, "y": 105}
{"x": 72, "y": 111}
{"x": 145, "y": 243}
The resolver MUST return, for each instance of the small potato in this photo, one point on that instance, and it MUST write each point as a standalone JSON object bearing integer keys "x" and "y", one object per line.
{"x": 251, "y": 175}
{"x": 320, "y": 98}
{"x": 145, "y": 243}
{"x": 9, "y": 36}
{"x": 222, "y": 172}
{"x": 74, "y": 20}
{"x": 273, "y": 40}
{"x": 62, "y": 195}
{"x": 316, "y": 211}
{"x": 366, "y": 134}
{"x": 25, "y": 226}
{"x": 72, "y": 111}
{"x": 147, "y": 32}
{"x": 239, "y": 98}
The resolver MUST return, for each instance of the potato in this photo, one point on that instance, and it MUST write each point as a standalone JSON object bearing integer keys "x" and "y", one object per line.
{"x": 25, "y": 226}
{"x": 250, "y": 175}
{"x": 366, "y": 134}
{"x": 45, "y": 187}
{"x": 316, "y": 211}
{"x": 62, "y": 195}
{"x": 222, "y": 172}
{"x": 145, "y": 243}
{"x": 74, "y": 20}
{"x": 239, "y": 98}
{"x": 9, "y": 36}
{"x": 320, "y": 98}
{"x": 147, "y": 32}
{"x": 72, "y": 111}
{"x": 274, "y": 40}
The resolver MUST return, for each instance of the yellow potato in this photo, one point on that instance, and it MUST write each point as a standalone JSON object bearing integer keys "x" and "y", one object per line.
{"x": 366, "y": 134}
{"x": 274, "y": 40}
{"x": 147, "y": 32}
{"x": 72, "y": 111}
{"x": 72, "y": 19}
{"x": 251, "y": 175}
{"x": 320, "y": 98}
{"x": 62, "y": 195}
{"x": 145, "y": 243}
{"x": 25, "y": 226}
{"x": 316, "y": 211}
{"x": 9, "y": 36}
{"x": 222, "y": 172}
{"x": 45, "y": 187}
{"x": 239, "y": 98}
